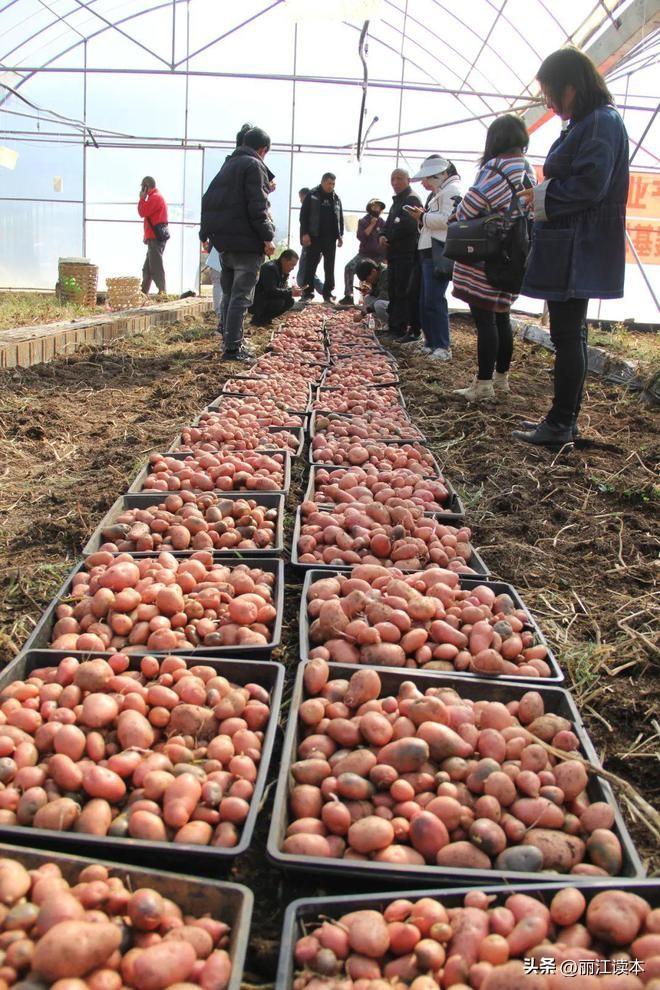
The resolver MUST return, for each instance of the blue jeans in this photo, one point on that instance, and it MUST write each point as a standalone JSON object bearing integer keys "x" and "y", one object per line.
{"x": 240, "y": 270}
{"x": 433, "y": 309}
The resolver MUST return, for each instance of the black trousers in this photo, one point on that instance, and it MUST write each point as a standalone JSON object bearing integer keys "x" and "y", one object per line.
{"x": 494, "y": 341}
{"x": 321, "y": 249}
{"x": 268, "y": 309}
{"x": 400, "y": 272}
{"x": 568, "y": 332}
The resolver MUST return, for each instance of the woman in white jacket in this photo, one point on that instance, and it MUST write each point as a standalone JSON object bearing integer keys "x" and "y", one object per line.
{"x": 439, "y": 177}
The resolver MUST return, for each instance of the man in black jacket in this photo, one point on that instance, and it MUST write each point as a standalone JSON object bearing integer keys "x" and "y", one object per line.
{"x": 321, "y": 231}
{"x": 237, "y": 221}
{"x": 400, "y": 237}
{"x": 272, "y": 296}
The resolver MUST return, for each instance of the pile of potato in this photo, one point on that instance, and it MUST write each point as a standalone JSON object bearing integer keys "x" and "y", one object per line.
{"x": 375, "y": 534}
{"x": 369, "y": 484}
{"x": 438, "y": 779}
{"x": 164, "y": 603}
{"x": 358, "y": 400}
{"x": 384, "y": 617}
{"x": 192, "y": 522}
{"x": 252, "y": 471}
{"x": 290, "y": 388}
{"x": 101, "y": 935}
{"x": 166, "y": 752}
{"x": 229, "y": 430}
{"x": 388, "y": 426}
{"x": 483, "y": 942}
{"x": 270, "y": 412}
{"x": 351, "y": 373}
{"x": 382, "y": 455}
{"x": 282, "y": 363}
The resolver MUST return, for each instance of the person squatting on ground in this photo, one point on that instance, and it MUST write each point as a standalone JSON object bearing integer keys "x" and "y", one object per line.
{"x": 373, "y": 278}
{"x": 236, "y": 220}
{"x": 579, "y": 236}
{"x": 321, "y": 232}
{"x": 399, "y": 238}
{"x": 302, "y": 262}
{"x": 153, "y": 210}
{"x": 440, "y": 178}
{"x": 273, "y": 296}
{"x": 503, "y": 164}
{"x": 369, "y": 230}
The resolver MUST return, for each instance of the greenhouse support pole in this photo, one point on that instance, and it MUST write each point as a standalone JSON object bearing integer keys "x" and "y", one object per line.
{"x": 293, "y": 129}
{"x": 185, "y": 149}
{"x": 84, "y": 158}
{"x": 403, "y": 73}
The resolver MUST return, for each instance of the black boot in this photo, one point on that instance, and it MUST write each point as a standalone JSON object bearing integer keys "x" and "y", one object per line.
{"x": 530, "y": 425}
{"x": 545, "y": 435}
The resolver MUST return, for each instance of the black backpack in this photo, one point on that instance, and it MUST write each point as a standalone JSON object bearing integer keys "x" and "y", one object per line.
{"x": 501, "y": 240}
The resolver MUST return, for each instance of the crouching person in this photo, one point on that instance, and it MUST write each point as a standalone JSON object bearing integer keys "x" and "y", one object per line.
{"x": 273, "y": 296}
{"x": 373, "y": 284}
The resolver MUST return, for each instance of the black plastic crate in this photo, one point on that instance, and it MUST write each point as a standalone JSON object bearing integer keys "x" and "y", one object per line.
{"x": 454, "y": 514}
{"x": 466, "y": 581}
{"x": 137, "y": 487}
{"x": 557, "y": 701}
{"x": 303, "y": 914}
{"x": 207, "y": 860}
{"x": 39, "y": 638}
{"x": 141, "y": 501}
{"x": 231, "y": 903}
{"x": 476, "y": 561}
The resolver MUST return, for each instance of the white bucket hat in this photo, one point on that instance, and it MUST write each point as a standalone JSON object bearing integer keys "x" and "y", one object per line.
{"x": 433, "y": 165}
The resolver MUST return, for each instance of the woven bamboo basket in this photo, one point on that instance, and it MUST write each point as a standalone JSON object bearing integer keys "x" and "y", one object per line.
{"x": 123, "y": 292}
{"x": 77, "y": 281}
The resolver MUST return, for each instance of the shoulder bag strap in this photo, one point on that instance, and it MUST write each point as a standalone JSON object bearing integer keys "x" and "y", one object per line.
{"x": 514, "y": 192}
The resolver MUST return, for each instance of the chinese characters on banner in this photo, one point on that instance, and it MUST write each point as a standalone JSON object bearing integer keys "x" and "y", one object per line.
{"x": 642, "y": 216}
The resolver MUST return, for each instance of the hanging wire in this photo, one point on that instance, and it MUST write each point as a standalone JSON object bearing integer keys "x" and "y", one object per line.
{"x": 362, "y": 52}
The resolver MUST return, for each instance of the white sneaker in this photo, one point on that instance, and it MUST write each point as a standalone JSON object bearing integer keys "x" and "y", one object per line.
{"x": 441, "y": 354}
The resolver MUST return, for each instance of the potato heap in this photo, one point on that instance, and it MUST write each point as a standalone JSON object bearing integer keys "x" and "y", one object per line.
{"x": 224, "y": 472}
{"x": 291, "y": 388}
{"x": 370, "y": 484}
{"x": 387, "y": 426}
{"x": 100, "y": 935}
{"x": 352, "y": 372}
{"x": 436, "y": 779}
{"x": 374, "y": 534}
{"x": 482, "y": 943}
{"x": 358, "y": 400}
{"x": 164, "y": 603}
{"x": 234, "y": 430}
{"x": 192, "y": 522}
{"x": 382, "y": 617}
{"x": 383, "y": 456}
{"x": 272, "y": 412}
{"x": 165, "y": 752}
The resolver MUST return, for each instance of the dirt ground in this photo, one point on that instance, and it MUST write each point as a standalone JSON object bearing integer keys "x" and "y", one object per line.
{"x": 577, "y": 534}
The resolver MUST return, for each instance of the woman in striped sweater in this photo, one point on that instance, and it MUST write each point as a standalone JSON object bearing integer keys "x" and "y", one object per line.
{"x": 506, "y": 143}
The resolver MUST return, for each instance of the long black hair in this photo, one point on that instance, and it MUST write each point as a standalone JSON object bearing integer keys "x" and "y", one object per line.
{"x": 571, "y": 67}
{"x": 504, "y": 134}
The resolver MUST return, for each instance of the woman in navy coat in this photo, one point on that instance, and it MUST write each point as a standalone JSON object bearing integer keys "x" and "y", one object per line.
{"x": 578, "y": 242}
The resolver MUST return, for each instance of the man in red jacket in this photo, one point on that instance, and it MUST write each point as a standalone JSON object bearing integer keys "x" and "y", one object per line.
{"x": 153, "y": 209}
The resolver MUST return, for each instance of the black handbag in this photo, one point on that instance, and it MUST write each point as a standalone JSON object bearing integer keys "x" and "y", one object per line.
{"x": 161, "y": 230}
{"x": 485, "y": 238}
{"x": 443, "y": 267}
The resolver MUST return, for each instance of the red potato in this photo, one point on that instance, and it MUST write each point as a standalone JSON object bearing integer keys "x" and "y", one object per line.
{"x": 407, "y": 541}
{"x": 368, "y": 484}
{"x": 184, "y": 602}
{"x": 289, "y": 387}
{"x": 388, "y": 427}
{"x": 235, "y": 430}
{"x": 430, "y": 794}
{"x": 224, "y": 472}
{"x": 97, "y": 934}
{"x": 272, "y": 412}
{"x": 171, "y": 779}
{"x": 358, "y": 400}
{"x": 416, "y": 619}
{"x": 427, "y": 945}
{"x": 185, "y": 521}
{"x": 386, "y": 456}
